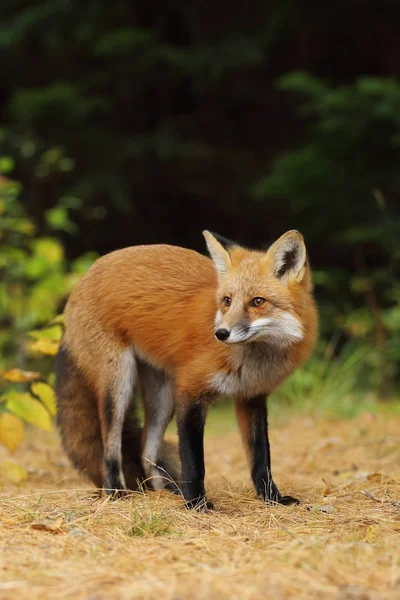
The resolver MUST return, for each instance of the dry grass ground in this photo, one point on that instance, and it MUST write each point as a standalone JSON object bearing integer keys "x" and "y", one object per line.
{"x": 58, "y": 542}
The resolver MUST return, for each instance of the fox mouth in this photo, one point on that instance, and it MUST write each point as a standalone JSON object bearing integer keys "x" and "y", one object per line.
{"x": 239, "y": 337}
{"x": 250, "y": 337}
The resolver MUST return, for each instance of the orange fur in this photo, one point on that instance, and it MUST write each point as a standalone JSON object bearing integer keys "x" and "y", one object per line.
{"x": 162, "y": 299}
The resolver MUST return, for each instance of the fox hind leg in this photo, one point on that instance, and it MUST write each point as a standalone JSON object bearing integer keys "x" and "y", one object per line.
{"x": 115, "y": 403}
{"x": 158, "y": 401}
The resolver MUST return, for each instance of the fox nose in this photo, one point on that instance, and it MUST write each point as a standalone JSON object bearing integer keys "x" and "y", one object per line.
{"x": 222, "y": 334}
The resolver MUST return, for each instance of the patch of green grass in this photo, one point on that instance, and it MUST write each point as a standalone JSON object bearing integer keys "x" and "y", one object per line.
{"x": 146, "y": 522}
{"x": 329, "y": 385}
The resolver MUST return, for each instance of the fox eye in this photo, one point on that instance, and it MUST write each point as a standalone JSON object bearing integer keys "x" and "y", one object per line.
{"x": 257, "y": 301}
{"x": 226, "y": 301}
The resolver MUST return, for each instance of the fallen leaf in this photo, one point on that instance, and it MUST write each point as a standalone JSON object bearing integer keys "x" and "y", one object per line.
{"x": 19, "y": 376}
{"x": 46, "y": 524}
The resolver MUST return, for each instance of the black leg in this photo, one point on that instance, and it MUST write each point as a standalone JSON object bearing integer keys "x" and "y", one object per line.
{"x": 191, "y": 420}
{"x": 253, "y": 423}
{"x": 113, "y": 485}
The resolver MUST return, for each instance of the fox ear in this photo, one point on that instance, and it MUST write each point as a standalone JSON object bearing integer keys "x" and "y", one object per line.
{"x": 220, "y": 256}
{"x": 289, "y": 256}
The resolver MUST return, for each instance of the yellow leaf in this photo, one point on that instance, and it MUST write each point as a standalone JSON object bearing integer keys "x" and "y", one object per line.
{"x": 45, "y": 347}
{"x": 18, "y": 376}
{"x": 11, "y": 431}
{"x": 12, "y": 471}
{"x": 46, "y": 394}
{"x": 28, "y": 408}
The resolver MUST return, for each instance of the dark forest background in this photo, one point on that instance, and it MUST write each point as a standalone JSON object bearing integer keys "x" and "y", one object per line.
{"x": 146, "y": 121}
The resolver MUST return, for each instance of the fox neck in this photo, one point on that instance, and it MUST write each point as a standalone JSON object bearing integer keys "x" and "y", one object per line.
{"x": 254, "y": 368}
{"x": 254, "y": 352}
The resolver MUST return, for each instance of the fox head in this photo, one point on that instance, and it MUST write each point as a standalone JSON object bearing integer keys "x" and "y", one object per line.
{"x": 261, "y": 295}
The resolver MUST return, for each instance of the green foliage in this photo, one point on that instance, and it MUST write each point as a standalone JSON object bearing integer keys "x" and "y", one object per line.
{"x": 334, "y": 182}
{"x": 329, "y": 383}
{"x": 35, "y": 279}
{"x": 352, "y": 150}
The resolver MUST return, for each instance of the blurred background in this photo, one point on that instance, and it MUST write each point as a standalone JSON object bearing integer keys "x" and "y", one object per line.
{"x": 148, "y": 121}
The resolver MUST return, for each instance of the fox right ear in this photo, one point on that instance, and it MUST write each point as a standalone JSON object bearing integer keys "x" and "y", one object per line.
{"x": 220, "y": 256}
{"x": 289, "y": 256}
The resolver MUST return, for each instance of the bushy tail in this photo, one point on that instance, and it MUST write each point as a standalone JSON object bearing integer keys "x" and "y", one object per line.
{"x": 79, "y": 425}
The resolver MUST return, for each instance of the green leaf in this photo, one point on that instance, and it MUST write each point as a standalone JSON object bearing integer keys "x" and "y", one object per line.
{"x": 71, "y": 202}
{"x": 82, "y": 264}
{"x": 122, "y": 41}
{"x": 58, "y": 218}
{"x": 6, "y": 164}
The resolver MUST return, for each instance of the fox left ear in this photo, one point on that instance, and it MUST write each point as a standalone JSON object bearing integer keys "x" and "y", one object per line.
{"x": 289, "y": 256}
{"x": 220, "y": 256}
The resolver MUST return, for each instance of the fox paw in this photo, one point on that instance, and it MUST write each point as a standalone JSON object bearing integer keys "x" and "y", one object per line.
{"x": 116, "y": 494}
{"x": 200, "y": 505}
{"x": 288, "y": 500}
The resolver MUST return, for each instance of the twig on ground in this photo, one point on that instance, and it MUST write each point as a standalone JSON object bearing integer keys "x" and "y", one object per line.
{"x": 371, "y": 496}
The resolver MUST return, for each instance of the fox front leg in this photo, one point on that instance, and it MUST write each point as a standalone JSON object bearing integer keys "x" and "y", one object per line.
{"x": 191, "y": 420}
{"x": 253, "y": 423}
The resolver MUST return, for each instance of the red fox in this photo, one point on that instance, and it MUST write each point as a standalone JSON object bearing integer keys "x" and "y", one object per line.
{"x": 188, "y": 329}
